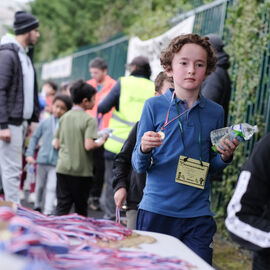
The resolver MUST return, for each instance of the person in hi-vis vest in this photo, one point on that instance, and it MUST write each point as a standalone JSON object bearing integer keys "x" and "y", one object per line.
{"x": 127, "y": 97}
{"x": 103, "y": 83}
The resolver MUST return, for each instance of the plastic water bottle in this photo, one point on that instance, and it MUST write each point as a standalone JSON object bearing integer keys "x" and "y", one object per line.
{"x": 241, "y": 132}
{"x": 103, "y": 133}
{"x": 30, "y": 176}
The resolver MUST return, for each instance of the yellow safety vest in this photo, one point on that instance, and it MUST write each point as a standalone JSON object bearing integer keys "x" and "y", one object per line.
{"x": 134, "y": 92}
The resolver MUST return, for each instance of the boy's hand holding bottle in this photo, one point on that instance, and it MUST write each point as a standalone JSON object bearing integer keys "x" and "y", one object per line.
{"x": 225, "y": 140}
{"x": 228, "y": 147}
{"x": 103, "y": 135}
{"x": 101, "y": 140}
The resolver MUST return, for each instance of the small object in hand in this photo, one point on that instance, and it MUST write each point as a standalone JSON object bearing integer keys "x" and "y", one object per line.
{"x": 161, "y": 134}
{"x": 53, "y": 142}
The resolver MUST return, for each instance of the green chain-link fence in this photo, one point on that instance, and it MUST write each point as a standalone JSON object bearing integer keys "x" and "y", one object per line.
{"x": 113, "y": 51}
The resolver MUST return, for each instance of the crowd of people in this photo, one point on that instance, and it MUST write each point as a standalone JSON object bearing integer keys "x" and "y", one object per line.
{"x": 103, "y": 143}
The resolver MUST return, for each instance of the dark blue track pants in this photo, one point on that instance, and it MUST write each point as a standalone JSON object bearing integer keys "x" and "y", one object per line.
{"x": 196, "y": 233}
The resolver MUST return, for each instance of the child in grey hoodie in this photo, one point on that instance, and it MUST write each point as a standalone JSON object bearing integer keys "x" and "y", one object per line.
{"x": 47, "y": 155}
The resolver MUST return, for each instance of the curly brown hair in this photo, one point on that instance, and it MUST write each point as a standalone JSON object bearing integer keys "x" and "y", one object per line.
{"x": 178, "y": 42}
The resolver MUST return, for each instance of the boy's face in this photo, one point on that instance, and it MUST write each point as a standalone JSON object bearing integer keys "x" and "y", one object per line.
{"x": 59, "y": 108}
{"x": 48, "y": 91}
{"x": 189, "y": 67}
{"x": 164, "y": 88}
{"x": 92, "y": 101}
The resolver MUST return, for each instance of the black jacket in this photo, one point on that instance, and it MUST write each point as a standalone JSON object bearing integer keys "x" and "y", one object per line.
{"x": 123, "y": 174}
{"x": 11, "y": 88}
{"x": 248, "y": 218}
{"x": 217, "y": 85}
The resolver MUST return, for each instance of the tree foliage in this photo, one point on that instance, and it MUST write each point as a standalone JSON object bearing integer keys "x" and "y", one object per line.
{"x": 66, "y": 25}
{"x": 248, "y": 27}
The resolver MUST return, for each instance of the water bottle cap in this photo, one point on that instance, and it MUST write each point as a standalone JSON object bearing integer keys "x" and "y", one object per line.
{"x": 255, "y": 128}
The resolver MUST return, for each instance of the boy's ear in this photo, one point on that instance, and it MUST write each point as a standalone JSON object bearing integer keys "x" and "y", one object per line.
{"x": 84, "y": 100}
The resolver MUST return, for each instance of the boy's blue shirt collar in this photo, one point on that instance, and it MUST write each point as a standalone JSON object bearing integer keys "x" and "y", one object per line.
{"x": 200, "y": 101}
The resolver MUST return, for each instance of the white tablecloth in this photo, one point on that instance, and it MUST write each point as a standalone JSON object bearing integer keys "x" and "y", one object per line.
{"x": 168, "y": 246}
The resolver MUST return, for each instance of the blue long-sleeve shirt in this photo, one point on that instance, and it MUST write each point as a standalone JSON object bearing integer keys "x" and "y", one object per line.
{"x": 45, "y": 130}
{"x": 162, "y": 194}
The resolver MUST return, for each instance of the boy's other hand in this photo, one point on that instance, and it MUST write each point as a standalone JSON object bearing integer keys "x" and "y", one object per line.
{"x": 120, "y": 197}
{"x": 104, "y": 139}
{"x": 30, "y": 160}
{"x": 106, "y": 136}
{"x": 229, "y": 148}
{"x": 150, "y": 140}
{"x": 101, "y": 140}
{"x": 55, "y": 143}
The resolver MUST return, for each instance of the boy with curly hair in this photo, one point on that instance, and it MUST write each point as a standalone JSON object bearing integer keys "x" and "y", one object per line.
{"x": 174, "y": 149}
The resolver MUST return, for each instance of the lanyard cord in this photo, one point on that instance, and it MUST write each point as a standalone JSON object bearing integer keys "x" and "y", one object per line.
{"x": 181, "y": 127}
{"x": 166, "y": 123}
{"x": 182, "y": 132}
{"x": 200, "y": 138}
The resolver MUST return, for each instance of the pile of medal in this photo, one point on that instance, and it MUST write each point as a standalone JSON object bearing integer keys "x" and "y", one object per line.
{"x": 72, "y": 242}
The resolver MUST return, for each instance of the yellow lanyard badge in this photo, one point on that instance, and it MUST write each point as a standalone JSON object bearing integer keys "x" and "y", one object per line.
{"x": 191, "y": 172}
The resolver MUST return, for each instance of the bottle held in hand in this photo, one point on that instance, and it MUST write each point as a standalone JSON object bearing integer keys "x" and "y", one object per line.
{"x": 103, "y": 133}
{"x": 241, "y": 132}
{"x": 30, "y": 176}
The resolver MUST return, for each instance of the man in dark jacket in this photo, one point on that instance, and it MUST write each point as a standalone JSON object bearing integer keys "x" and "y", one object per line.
{"x": 248, "y": 218}
{"x": 18, "y": 99}
{"x": 217, "y": 85}
{"x": 128, "y": 185}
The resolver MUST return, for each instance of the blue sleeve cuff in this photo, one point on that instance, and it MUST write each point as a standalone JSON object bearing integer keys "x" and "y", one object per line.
{"x": 143, "y": 155}
{"x": 223, "y": 163}
{"x": 140, "y": 160}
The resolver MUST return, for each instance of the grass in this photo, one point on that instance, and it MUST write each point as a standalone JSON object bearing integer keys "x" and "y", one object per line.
{"x": 229, "y": 256}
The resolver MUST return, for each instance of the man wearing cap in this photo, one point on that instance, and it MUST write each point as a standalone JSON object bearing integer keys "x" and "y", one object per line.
{"x": 18, "y": 99}
{"x": 127, "y": 97}
{"x": 217, "y": 86}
